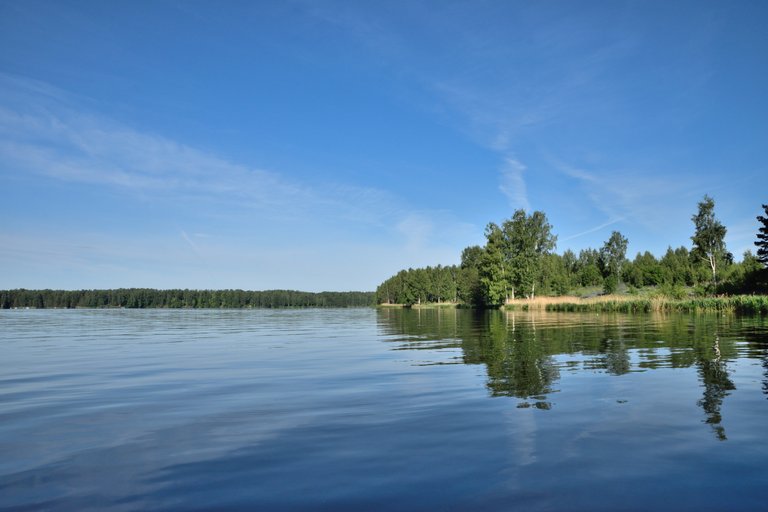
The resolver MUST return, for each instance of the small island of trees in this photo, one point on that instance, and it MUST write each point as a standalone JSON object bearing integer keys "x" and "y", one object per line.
{"x": 518, "y": 262}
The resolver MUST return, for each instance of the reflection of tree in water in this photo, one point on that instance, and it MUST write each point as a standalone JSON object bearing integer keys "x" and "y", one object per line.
{"x": 717, "y": 385}
{"x": 518, "y": 364}
{"x": 523, "y": 352}
{"x": 765, "y": 376}
{"x": 613, "y": 357}
{"x": 757, "y": 348}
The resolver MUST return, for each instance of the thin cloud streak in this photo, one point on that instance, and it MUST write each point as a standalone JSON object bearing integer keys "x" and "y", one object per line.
{"x": 642, "y": 197}
{"x": 44, "y": 134}
{"x": 592, "y": 230}
{"x": 513, "y": 184}
{"x": 47, "y": 134}
{"x": 192, "y": 244}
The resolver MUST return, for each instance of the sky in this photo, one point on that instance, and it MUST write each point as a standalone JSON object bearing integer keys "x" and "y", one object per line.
{"x": 322, "y": 145}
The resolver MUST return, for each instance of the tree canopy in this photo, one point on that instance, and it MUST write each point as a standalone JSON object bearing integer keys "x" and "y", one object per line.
{"x": 612, "y": 256}
{"x": 709, "y": 237}
{"x": 150, "y": 298}
{"x": 762, "y": 238}
{"x": 517, "y": 260}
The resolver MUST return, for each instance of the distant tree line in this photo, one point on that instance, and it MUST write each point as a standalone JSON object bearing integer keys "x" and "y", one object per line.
{"x": 518, "y": 260}
{"x": 150, "y": 298}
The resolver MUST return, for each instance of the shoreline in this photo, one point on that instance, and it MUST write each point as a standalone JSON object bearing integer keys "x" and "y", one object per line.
{"x": 750, "y": 304}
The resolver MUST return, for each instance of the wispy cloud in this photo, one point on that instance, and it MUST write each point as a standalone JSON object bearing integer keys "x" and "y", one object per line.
{"x": 640, "y": 197}
{"x": 417, "y": 229}
{"x": 71, "y": 147}
{"x": 574, "y": 172}
{"x": 499, "y": 94}
{"x": 543, "y": 78}
{"x": 494, "y": 119}
{"x": 513, "y": 184}
{"x": 591, "y": 230}
{"x": 274, "y": 218}
{"x": 191, "y": 244}
{"x": 44, "y": 133}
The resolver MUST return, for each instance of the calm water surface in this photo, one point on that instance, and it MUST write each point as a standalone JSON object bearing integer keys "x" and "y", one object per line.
{"x": 381, "y": 410}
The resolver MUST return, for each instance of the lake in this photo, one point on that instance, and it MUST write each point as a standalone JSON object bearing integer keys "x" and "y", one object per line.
{"x": 363, "y": 409}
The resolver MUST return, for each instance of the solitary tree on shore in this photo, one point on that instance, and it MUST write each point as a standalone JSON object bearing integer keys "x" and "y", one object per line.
{"x": 709, "y": 237}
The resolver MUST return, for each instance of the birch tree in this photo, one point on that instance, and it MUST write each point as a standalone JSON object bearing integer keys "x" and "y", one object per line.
{"x": 709, "y": 237}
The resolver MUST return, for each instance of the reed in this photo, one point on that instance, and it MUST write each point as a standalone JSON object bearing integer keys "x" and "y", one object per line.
{"x": 748, "y": 304}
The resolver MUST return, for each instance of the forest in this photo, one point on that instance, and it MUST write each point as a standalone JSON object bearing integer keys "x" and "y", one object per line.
{"x": 518, "y": 261}
{"x": 150, "y": 298}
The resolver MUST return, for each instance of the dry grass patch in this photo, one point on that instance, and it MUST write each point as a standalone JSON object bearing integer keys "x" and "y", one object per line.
{"x": 545, "y": 302}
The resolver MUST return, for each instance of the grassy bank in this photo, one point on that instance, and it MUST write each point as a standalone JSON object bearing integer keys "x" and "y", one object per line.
{"x": 425, "y": 305}
{"x": 628, "y": 304}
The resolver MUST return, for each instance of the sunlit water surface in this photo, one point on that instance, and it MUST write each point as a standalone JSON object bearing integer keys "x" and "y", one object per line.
{"x": 381, "y": 410}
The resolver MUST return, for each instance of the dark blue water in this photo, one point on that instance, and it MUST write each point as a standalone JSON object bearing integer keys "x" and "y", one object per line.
{"x": 381, "y": 410}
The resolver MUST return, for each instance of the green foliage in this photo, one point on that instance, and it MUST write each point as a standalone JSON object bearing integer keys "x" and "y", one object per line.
{"x": 673, "y": 291}
{"x": 747, "y": 276}
{"x": 644, "y": 270}
{"x": 709, "y": 238}
{"x": 762, "y": 238}
{"x": 495, "y": 277}
{"x": 513, "y": 257}
{"x": 612, "y": 256}
{"x": 701, "y": 290}
{"x": 677, "y": 267}
{"x": 517, "y": 260}
{"x": 555, "y": 277}
{"x": 422, "y": 285}
{"x": 588, "y": 268}
{"x": 610, "y": 284}
{"x": 149, "y": 298}
{"x": 750, "y": 304}
{"x": 528, "y": 238}
{"x": 469, "y": 288}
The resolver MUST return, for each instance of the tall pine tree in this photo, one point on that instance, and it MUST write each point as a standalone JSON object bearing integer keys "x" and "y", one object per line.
{"x": 762, "y": 238}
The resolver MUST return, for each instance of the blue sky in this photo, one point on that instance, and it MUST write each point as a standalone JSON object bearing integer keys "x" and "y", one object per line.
{"x": 325, "y": 145}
